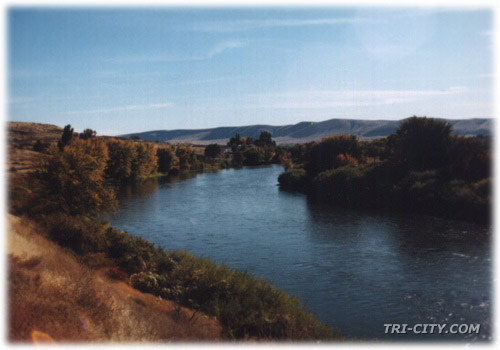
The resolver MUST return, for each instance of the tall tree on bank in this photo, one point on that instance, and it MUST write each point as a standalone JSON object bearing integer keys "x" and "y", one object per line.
{"x": 66, "y": 136}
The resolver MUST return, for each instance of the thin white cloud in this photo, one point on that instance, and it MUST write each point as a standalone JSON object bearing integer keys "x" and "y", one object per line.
{"x": 248, "y": 24}
{"x": 206, "y": 81}
{"x": 124, "y": 108}
{"x": 224, "y": 46}
{"x": 217, "y": 49}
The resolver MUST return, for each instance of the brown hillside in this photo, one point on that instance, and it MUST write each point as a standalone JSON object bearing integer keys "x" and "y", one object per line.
{"x": 54, "y": 296}
{"x": 21, "y": 136}
{"x": 25, "y": 134}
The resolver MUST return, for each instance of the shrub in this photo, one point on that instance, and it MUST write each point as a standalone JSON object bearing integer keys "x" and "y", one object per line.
{"x": 213, "y": 151}
{"x": 294, "y": 179}
{"x": 344, "y": 185}
{"x": 324, "y": 154}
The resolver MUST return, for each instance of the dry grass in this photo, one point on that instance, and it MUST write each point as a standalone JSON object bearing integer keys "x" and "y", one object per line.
{"x": 52, "y": 292}
{"x": 21, "y": 137}
{"x": 25, "y": 134}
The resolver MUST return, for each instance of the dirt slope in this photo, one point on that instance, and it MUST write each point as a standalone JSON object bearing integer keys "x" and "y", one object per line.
{"x": 54, "y": 296}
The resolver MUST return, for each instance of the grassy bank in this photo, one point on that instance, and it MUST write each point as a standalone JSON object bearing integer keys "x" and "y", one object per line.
{"x": 247, "y": 307}
{"x": 57, "y": 295}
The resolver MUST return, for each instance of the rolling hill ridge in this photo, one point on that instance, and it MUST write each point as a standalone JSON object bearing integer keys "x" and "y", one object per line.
{"x": 306, "y": 131}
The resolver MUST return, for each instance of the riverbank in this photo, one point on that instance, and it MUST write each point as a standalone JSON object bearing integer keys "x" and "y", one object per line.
{"x": 78, "y": 181}
{"x": 58, "y": 295}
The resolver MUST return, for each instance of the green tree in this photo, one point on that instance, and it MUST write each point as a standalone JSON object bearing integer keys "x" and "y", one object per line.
{"x": 87, "y": 134}
{"x": 422, "y": 143}
{"x": 324, "y": 155}
{"x": 121, "y": 157}
{"x": 66, "y": 136}
{"x": 213, "y": 151}
{"x": 254, "y": 156}
{"x": 470, "y": 158}
{"x": 238, "y": 159}
{"x": 235, "y": 143}
{"x": 265, "y": 140}
{"x": 187, "y": 158}
{"x": 145, "y": 161}
{"x": 167, "y": 159}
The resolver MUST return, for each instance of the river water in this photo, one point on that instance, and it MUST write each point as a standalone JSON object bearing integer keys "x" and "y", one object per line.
{"x": 354, "y": 270}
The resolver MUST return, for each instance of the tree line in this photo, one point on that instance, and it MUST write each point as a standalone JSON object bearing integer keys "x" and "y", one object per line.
{"x": 421, "y": 168}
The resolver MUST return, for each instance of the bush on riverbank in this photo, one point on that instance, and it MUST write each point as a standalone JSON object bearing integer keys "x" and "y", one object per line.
{"x": 293, "y": 179}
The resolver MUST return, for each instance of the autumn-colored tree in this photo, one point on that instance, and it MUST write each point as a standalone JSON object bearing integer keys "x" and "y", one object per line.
{"x": 324, "y": 154}
{"x": 167, "y": 160}
{"x": 72, "y": 180}
{"x": 145, "y": 162}
{"x": 187, "y": 158}
{"x": 286, "y": 160}
{"x": 121, "y": 158}
{"x": 345, "y": 159}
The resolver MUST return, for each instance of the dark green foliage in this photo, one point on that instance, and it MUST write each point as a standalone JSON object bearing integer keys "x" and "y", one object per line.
{"x": 376, "y": 149}
{"x": 295, "y": 179}
{"x": 121, "y": 158}
{"x": 235, "y": 143}
{"x": 213, "y": 151}
{"x": 254, "y": 156}
{"x": 422, "y": 143}
{"x": 78, "y": 233}
{"x": 66, "y": 136}
{"x": 166, "y": 159}
{"x": 324, "y": 154}
{"x": 470, "y": 158}
{"x": 300, "y": 153}
{"x": 265, "y": 140}
{"x": 187, "y": 158}
{"x": 247, "y": 151}
{"x": 419, "y": 169}
{"x": 40, "y": 146}
{"x": 145, "y": 161}
{"x": 238, "y": 159}
{"x": 87, "y": 134}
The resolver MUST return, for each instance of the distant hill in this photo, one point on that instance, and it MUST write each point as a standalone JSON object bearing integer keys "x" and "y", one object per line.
{"x": 306, "y": 131}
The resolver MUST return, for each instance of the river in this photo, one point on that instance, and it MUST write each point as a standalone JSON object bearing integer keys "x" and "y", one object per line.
{"x": 354, "y": 270}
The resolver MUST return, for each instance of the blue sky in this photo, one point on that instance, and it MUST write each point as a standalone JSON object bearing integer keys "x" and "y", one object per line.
{"x": 130, "y": 70}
